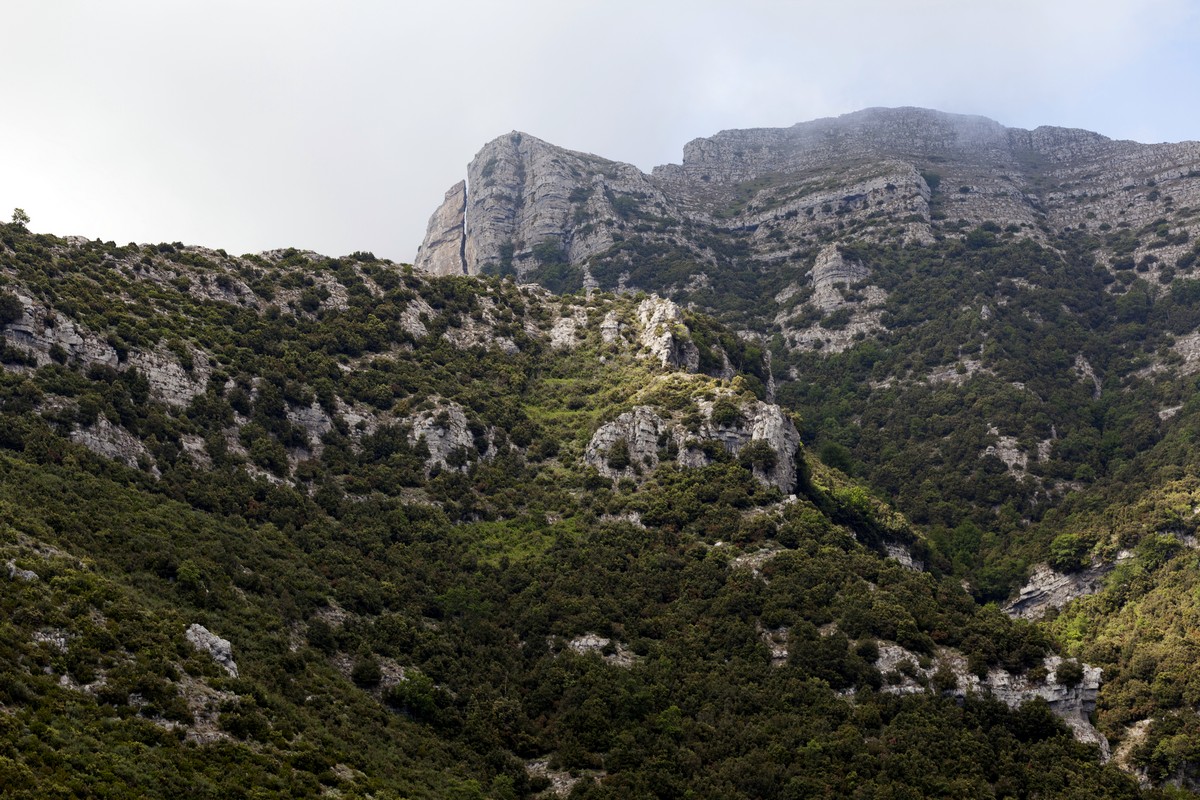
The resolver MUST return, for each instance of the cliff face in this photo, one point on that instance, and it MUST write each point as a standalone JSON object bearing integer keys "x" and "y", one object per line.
{"x": 772, "y": 193}
{"x": 524, "y": 201}
{"x": 442, "y": 251}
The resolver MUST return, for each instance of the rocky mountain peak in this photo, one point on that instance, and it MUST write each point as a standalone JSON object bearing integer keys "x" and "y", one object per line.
{"x": 753, "y": 201}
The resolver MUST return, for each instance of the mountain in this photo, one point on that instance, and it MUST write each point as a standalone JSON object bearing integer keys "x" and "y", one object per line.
{"x": 893, "y": 263}
{"x": 908, "y": 510}
{"x": 776, "y": 194}
{"x": 994, "y": 328}
{"x": 291, "y": 525}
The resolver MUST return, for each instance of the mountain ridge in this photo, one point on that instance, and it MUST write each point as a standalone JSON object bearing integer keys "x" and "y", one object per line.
{"x": 522, "y": 192}
{"x": 730, "y": 504}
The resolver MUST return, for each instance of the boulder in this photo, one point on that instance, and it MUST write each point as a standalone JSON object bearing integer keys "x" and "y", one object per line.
{"x": 219, "y": 649}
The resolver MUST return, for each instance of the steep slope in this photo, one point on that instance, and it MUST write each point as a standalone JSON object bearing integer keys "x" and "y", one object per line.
{"x": 772, "y": 196}
{"x": 294, "y": 525}
{"x": 994, "y": 328}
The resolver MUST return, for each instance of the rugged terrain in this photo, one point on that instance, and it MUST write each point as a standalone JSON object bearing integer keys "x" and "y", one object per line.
{"x": 996, "y": 328}
{"x": 894, "y": 498}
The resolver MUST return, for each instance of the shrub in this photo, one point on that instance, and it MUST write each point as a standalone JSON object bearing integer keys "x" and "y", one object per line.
{"x": 1069, "y": 673}
{"x": 366, "y": 672}
{"x": 11, "y": 309}
{"x": 618, "y": 455}
{"x": 758, "y": 453}
{"x": 725, "y": 413}
{"x": 1068, "y": 552}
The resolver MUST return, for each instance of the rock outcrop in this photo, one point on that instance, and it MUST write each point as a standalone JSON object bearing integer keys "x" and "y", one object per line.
{"x": 442, "y": 251}
{"x": 1047, "y": 589}
{"x": 832, "y": 272}
{"x": 664, "y": 334}
{"x": 47, "y": 336}
{"x": 763, "y": 198}
{"x": 219, "y": 649}
{"x": 15, "y": 573}
{"x": 110, "y": 441}
{"x": 1073, "y": 703}
{"x": 446, "y": 433}
{"x": 523, "y": 192}
{"x": 637, "y": 441}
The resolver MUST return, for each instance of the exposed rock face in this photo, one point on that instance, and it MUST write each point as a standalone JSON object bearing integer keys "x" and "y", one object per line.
{"x": 15, "y": 573}
{"x": 220, "y": 649}
{"x": 1007, "y": 449}
{"x": 442, "y": 251}
{"x": 1073, "y": 704}
{"x": 47, "y": 335}
{"x": 55, "y": 638}
{"x": 410, "y": 318}
{"x": 646, "y": 437}
{"x": 110, "y": 441}
{"x": 639, "y": 430}
{"x": 1047, "y": 589}
{"x": 904, "y": 556}
{"x": 523, "y": 192}
{"x": 615, "y": 653}
{"x": 885, "y": 174}
{"x": 446, "y": 433}
{"x": 610, "y": 329}
{"x": 563, "y": 332}
{"x": 39, "y": 331}
{"x": 665, "y": 335}
{"x": 830, "y": 271}
{"x": 169, "y": 381}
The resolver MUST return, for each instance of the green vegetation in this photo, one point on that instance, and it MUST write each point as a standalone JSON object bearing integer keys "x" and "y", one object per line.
{"x": 373, "y": 485}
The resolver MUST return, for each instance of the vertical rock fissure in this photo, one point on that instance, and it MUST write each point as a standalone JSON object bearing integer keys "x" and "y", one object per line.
{"x": 462, "y": 239}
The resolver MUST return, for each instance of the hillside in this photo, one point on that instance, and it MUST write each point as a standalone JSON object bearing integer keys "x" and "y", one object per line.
{"x": 286, "y": 525}
{"x": 994, "y": 329}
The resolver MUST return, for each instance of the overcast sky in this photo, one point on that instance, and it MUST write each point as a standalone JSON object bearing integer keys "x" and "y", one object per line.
{"x": 337, "y": 126}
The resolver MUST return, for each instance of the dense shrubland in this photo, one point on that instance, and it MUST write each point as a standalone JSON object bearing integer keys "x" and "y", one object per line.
{"x": 410, "y": 627}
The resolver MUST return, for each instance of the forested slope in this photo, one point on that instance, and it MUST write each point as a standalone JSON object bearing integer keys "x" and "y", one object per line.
{"x": 464, "y": 539}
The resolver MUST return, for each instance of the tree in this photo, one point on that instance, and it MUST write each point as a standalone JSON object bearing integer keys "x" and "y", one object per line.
{"x": 20, "y": 218}
{"x": 1069, "y": 673}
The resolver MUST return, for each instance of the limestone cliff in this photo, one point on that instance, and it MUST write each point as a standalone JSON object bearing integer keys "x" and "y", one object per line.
{"x": 770, "y": 196}
{"x": 637, "y": 441}
{"x": 442, "y": 252}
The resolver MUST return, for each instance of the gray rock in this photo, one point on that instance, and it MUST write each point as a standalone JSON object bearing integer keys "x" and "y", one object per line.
{"x": 445, "y": 432}
{"x": 522, "y": 192}
{"x": 872, "y": 171}
{"x": 563, "y": 332}
{"x": 168, "y": 380}
{"x": 610, "y": 328}
{"x": 55, "y": 638}
{"x": 642, "y": 430}
{"x": 1047, "y": 589}
{"x": 639, "y": 429}
{"x": 219, "y": 649}
{"x": 15, "y": 573}
{"x": 110, "y": 441}
{"x": 442, "y": 251}
{"x": 830, "y": 271}
{"x": 904, "y": 556}
{"x": 665, "y": 335}
{"x": 40, "y": 330}
{"x": 1073, "y": 704}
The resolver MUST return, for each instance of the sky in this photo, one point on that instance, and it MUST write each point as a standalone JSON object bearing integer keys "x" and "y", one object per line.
{"x": 337, "y": 126}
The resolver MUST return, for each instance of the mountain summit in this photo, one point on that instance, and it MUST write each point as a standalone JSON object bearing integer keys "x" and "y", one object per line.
{"x": 878, "y": 174}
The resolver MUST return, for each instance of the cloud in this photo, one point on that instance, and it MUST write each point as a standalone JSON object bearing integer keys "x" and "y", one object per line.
{"x": 337, "y": 126}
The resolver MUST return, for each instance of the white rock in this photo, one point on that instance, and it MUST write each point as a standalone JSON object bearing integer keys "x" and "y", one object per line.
{"x": 219, "y": 649}
{"x": 665, "y": 335}
{"x": 15, "y": 573}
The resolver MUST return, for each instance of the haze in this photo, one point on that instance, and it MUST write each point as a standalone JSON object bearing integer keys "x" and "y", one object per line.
{"x": 337, "y": 126}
